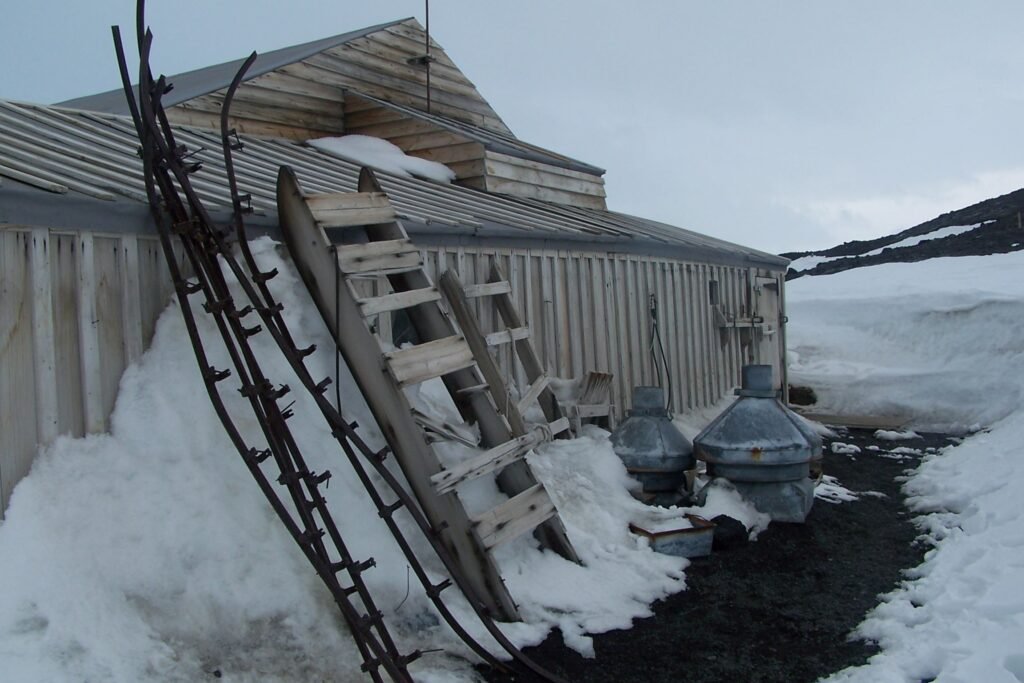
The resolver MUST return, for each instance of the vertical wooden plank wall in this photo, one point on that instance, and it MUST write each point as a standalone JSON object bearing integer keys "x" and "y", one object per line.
{"x": 75, "y": 310}
{"x": 592, "y": 312}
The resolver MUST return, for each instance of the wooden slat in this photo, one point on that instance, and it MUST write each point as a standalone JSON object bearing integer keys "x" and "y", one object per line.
{"x": 386, "y": 256}
{"x": 397, "y": 301}
{"x": 92, "y": 382}
{"x": 343, "y": 209}
{"x": 488, "y": 289}
{"x": 44, "y": 349}
{"x": 531, "y": 395}
{"x": 488, "y": 461}
{"x": 429, "y": 360}
{"x": 515, "y": 516}
{"x": 347, "y": 200}
{"x": 558, "y": 426}
{"x": 506, "y": 336}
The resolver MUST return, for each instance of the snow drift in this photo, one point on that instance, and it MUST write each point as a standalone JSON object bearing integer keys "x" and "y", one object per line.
{"x": 938, "y": 341}
{"x": 149, "y": 554}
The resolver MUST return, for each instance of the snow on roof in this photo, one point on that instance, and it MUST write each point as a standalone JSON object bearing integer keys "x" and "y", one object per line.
{"x": 381, "y": 155}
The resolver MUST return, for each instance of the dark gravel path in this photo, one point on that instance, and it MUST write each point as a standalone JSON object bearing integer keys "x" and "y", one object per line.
{"x": 778, "y": 609}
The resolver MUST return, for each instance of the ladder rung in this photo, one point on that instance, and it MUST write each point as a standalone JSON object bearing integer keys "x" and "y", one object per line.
{"x": 398, "y": 301}
{"x": 507, "y": 336}
{"x": 443, "y": 430}
{"x": 344, "y": 209}
{"x": 475, "y": 389}
{"x": 429, "y": 360}
{"x": 494, "y": 459}
{"x": 386, "y": 256}
{"x": 515, "y": 516}
{"x": 487, "y": 289}
{"x": 531, "y": 395}
{"x": 559, "y": 426}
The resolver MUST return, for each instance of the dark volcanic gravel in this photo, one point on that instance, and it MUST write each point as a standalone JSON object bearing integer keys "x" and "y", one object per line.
{"x": 780, "y": 608}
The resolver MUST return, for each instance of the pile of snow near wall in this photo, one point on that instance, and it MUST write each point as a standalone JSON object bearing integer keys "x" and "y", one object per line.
{"x": 149, "y": 554}
{"x": 939, "y": 341}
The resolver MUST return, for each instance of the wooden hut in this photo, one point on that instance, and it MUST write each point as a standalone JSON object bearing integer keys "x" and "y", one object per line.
{"x": 83, "y": 282}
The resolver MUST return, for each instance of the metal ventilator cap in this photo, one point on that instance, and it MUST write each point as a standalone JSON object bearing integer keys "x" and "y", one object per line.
{"x": 758, "y": 439}
{"x": 650, "y": 446}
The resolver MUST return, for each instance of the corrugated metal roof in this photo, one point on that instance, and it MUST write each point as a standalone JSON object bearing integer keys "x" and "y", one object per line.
{"x": 94, "y": 155}
{"x": 506, "y": 144}
{"x": 199, "y": 82}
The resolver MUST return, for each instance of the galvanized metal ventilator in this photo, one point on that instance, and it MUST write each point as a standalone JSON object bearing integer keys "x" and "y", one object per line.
{"x": 766, "y": 450}
{"x": 650, "y": 446}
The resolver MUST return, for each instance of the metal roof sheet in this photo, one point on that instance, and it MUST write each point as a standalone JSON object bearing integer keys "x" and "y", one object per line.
{"x": 206, "y": 80}
{"x": 93, "y": 155}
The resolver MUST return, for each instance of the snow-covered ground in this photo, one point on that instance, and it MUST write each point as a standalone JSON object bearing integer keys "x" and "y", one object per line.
{"x": 148, "y": 554}
{"x": 939, "y": 342}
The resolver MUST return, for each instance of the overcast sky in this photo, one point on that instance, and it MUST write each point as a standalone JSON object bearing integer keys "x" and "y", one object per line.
{"x": 781, "y": 125}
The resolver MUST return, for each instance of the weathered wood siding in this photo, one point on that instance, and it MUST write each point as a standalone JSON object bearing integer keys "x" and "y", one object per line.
{"x": 306, "y": 99}
{"x": 511, "y": 175}
{"x": 591, "y": 311}
{"x": 75, "y": 310}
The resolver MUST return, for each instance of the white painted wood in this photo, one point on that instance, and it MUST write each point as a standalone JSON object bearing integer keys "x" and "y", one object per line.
{"x": 19, "y": 437}
{"x": 515, "y": 516}
{"x": 64, "y": 294}
{"x": 131, "y": 306}
{"x": 88, "y": 329}
{"x": 44, "y": 357}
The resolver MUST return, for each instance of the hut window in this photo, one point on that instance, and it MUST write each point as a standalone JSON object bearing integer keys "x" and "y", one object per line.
{"x": 713, "y": 292}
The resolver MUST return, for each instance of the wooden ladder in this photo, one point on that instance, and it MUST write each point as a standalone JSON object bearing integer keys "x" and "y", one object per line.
{"x": 498, "y": 291}
{"x": 333, "y": 272}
